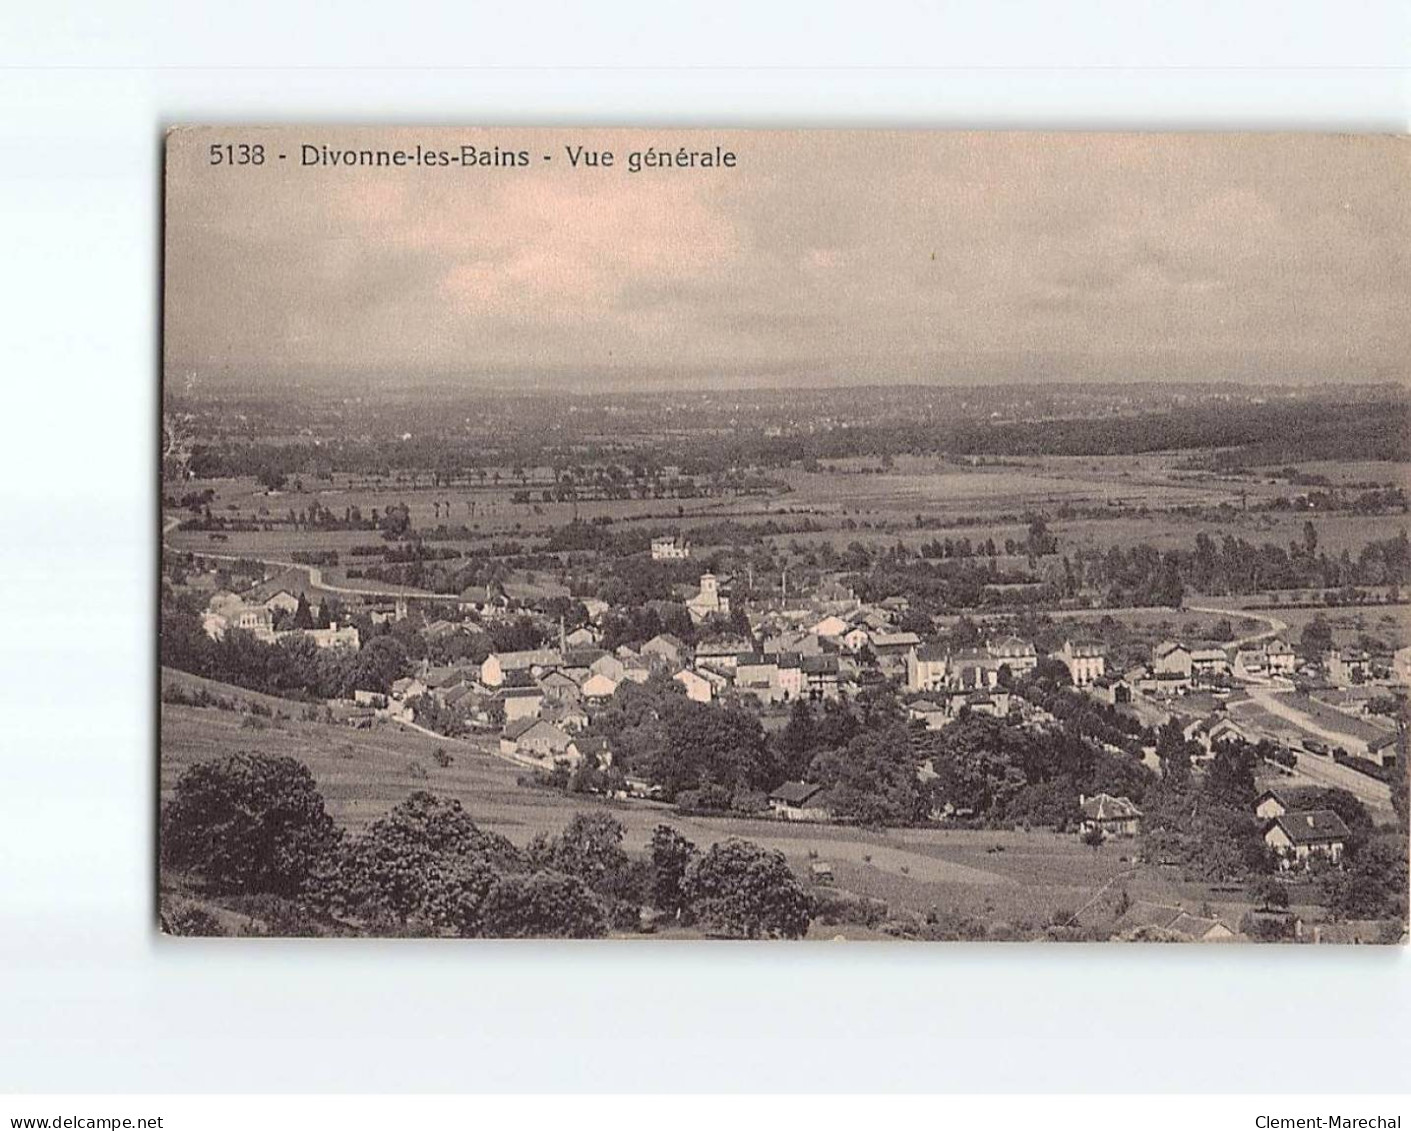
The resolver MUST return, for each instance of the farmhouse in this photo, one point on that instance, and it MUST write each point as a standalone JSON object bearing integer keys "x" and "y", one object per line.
{"x": 1279, "y": 658}
{"x": 1299, "y": 836}
{"x": 856, "y": 639}
{"x": 894, "y": 645}
{"x": 584, "y": 636}
{"x": 282, "y": 602}
{"x": 799, "y": 801}
{"x": 1115, "y": 816}
{"x": 791, "y": 678}
{"x": 758, "y": 676}
{"x": 831, "y": 627}
{"x": 535, "y": 738}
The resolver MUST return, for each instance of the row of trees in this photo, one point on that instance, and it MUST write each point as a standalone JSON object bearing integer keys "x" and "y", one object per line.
{"x": 256, "y": 825}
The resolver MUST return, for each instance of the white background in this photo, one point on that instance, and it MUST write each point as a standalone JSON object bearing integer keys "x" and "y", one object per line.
{"x": 91, "y": 999}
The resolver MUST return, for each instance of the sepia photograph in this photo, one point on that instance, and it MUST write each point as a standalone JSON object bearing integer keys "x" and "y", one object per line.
{"x": 832, "y": 534}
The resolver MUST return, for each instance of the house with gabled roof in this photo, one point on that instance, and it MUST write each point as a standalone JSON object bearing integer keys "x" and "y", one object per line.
{"x": 1298, "y": 836}
{"x": 664, "y": 648}
{"x": 539, "y": 741}
{"x": 1171, "y": 657}
{"x": 799, "y": 801}
{"x": 926, "y": 667}
{"x": 1144, "y": 916}
{"x": 521, "y": 703}
{"x": 1115, "y": 816}
{"x": 499, "y": 666}
{"x": 1270, "y": 804}
{"x": 698, "y": 687}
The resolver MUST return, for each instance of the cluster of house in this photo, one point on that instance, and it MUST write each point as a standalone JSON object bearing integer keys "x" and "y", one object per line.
{"x": 258, "y": 611}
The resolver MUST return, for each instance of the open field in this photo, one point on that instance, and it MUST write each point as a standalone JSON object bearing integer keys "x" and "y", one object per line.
{"x": 1137, "y": 497}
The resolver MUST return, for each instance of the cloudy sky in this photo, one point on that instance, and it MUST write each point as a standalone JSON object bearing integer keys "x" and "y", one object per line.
{"x": 822, "y": 257}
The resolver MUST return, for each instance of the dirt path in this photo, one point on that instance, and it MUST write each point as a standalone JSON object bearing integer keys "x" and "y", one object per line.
{"x": 1275, "y": 625}
{"x": 314, "y": 573}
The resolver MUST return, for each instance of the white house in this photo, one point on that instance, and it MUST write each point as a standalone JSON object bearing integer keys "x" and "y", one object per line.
{"x": 698, "y": 688}
{"x": 671, "y": 548}
{"x": 926, "y": 667}
{"x": 1086, "y": 663}
{"x": 598, "y": 686}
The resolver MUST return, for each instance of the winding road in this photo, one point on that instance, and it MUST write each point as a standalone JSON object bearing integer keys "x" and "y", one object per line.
{"x": 314, "y": 573}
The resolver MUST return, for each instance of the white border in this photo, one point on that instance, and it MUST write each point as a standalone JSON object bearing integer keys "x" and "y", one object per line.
{"x": 91, "y": 1000}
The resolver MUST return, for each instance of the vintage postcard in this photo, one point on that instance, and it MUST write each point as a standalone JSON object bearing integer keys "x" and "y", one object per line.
{"x": 706, "y": 534}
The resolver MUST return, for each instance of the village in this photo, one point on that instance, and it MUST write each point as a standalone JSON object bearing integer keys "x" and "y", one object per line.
{"x": 1312, "y": 718}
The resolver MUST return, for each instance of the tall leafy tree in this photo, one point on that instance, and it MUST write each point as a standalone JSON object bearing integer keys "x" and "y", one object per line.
{"x": 247, "y": 823}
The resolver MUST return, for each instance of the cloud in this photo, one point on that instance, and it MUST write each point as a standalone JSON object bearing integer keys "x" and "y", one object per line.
{"x": 832, "y": 255}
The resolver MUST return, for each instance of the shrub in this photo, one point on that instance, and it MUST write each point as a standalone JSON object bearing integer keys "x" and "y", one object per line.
{"x": 190, "y": 921}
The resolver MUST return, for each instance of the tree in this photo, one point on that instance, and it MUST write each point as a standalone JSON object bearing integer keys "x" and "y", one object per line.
{"x": 1174, "y": 753}
{"x": 1093, "y": 837}
{"x": 1316, "y": 638}
{"x": 1371, "y": 884}
{"x": 798, "y": 741}
{"x": 740, "y": 890}
{"x": 248, "y": 823}
{"x": 672, "y": 854}
{"x": 542, "y": 905}
{"x": 424, "y": 862}
{"x": 589, "y": 848}
{"x": 1268, "y": 894}
{"x": 380, "y": 663}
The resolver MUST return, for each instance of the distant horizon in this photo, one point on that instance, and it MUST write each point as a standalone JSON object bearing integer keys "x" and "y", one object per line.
{"x": 384, "y": 383}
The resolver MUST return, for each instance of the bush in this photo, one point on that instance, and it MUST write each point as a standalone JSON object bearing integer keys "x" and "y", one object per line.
{"x": 190, "y": 921}
{"x": 249, "y": 823}
{"x": 740, "y": 890}
{"x": 831, "y": 908}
